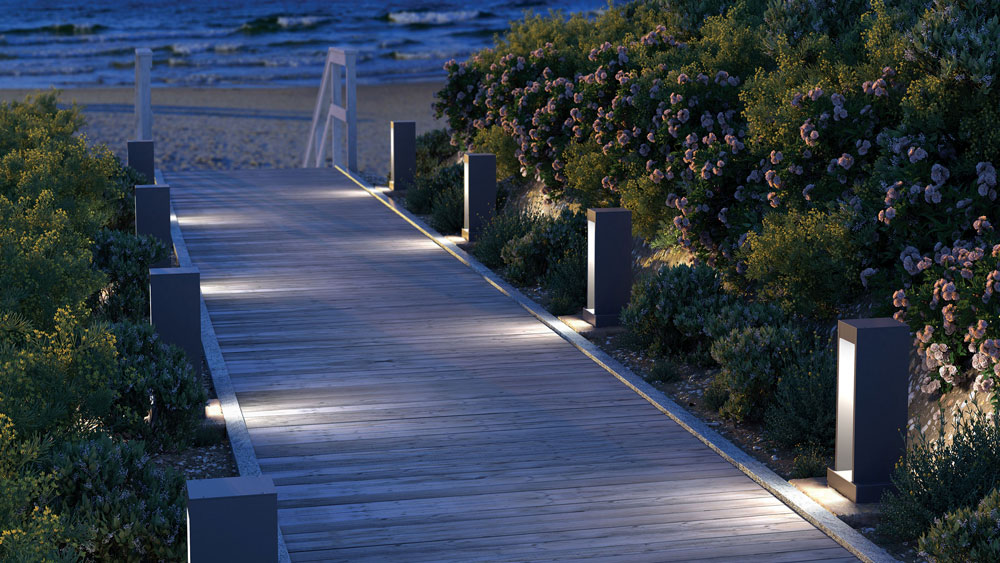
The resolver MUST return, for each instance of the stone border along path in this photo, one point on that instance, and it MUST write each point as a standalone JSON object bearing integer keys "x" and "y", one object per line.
{"x": 408, "y": 411}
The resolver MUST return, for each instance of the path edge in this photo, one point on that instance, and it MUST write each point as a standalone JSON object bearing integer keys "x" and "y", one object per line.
{"x": 236, "y": 426}
{"x": 810, "y": 510}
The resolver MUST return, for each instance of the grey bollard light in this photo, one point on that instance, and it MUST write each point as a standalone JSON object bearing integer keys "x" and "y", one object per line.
{"x": 232, "y": 519}
{"x": 175, "y": 308}
{"x": 480, "y": 193}
{"x": 873, "y": 357}
{"x": 152, "y": 215}
{"x": 609, "y": 265}
{"x": 140, "y": 157}
{"x": 402, "y": 154}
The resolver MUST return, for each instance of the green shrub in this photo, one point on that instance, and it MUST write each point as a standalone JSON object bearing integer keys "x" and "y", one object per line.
{"x": 657, "y": 300}
{"x": 123, "y": 506}
{"x": 46, "y": 263}
{"x": 664, "y": 371}
{"x": 125, "y": 259}
{"x": 508, "y": 225}
{"x": 804, "y": 409}
{"x": 804, "y": 261}
{"x": 810, "y": 461}
{"x": 55, "y": 381}
{"x": 155, "y": 381}
{"x": 566, "y": 283}
{"x": 965, "y": 534}
{"x": 525, "y": 258}
{"x": 447, "y": 210}
{"x": 29, "y": 530}
{"x": 496, "y": 141}
{"x": 420, "y": 198}
{"x": 434, "y": 150}
{"x": 753, "y": 359}
{"x": 683, "y": 309}
{"x": 936, "y": 477}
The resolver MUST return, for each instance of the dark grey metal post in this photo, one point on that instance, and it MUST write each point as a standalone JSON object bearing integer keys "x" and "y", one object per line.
{"x": 609, "y": 264}
{"x": 152, "y": 215}
{"x": 402, "y": 154}
{"x": 873, "y": 358}
{"x": 140, "y": 157}
{"x": 232, "y": 519}
{"x": 480, "y": 193}
{"x": 175, "y": 308}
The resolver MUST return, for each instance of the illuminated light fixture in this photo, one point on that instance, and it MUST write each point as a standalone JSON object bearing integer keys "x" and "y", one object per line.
{"x": 873, "y": 357}
{"x": 213, "y": 410}
{"x": 480, "y": 193}
{"x": 402, "y": 154}
{"x": 609, "y": 265}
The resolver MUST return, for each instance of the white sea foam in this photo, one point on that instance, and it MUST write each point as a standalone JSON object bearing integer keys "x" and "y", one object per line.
{"x": 437, "y": 18}
{"x": 289, "y": 22}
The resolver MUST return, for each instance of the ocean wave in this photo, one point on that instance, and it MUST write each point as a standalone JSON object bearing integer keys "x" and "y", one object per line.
{"x": 272, "y": 24}
{"x": 228, "y": 48}
{"x": 185, "y": 49}
{"x": 58, "y": 29}
{"x": 433, "y": 18}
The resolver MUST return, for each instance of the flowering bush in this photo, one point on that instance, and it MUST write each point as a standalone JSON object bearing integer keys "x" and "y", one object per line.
{"x": 705, "y": 118}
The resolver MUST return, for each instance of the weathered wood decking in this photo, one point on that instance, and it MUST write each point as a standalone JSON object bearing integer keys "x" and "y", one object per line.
{"x": 408, "y": 411}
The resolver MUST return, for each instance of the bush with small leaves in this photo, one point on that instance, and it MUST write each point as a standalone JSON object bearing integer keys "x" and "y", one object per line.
{"x": 160, "y": 396}
{"x": 753, "y": 360}
{"x": 965, "y": 534}
{"x": 566, "y": 282}
{"x": 55, "y": 381}
{"x": 804, "y": 261}
{"x": 936, "y": 477}
{"x": 447, "y": 210}
{"x": 122, "y": 506}
{"x": 511, "y": 224}
{"x": 803, "y": 410}
{"x": 29, "y": 530}
{"x": 124, "y": 259}
{"x": 434, "y": 150}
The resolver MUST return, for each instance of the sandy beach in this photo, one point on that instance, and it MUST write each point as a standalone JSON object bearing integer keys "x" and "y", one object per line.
{"x": 229, "y": 128}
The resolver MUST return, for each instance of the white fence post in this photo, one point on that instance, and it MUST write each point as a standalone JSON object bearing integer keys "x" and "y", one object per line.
{"x": 336, "y": 107}
{"x": 143, "y": 98}
{"x": 352, "y": 109}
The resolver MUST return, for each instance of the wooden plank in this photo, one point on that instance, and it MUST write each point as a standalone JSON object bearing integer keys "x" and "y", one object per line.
{"x": 408, "y": 411}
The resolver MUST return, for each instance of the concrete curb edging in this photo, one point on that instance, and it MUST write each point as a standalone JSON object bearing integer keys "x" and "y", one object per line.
{"x": 810, "y": 510}
{"x": 236, "y": 426}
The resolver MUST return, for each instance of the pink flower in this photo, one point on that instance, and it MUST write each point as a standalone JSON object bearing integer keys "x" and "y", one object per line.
{"x": 845, "y": 161}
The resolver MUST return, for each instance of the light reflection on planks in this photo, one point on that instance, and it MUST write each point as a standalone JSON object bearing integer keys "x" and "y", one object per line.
{"x": 408, "y": 411}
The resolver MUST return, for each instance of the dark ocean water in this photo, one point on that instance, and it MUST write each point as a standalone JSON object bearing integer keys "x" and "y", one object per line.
{"x": 245, "y": 43}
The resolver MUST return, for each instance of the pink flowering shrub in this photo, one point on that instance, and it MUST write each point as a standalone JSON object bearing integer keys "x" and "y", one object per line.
{"x": 705, "y": 118}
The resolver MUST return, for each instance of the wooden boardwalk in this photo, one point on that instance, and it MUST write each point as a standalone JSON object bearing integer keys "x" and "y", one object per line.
{"x": 408, "y": 411}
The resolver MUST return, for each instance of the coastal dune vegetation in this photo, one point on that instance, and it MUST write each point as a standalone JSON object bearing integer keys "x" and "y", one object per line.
{"x": 812, "y": 159}
{"x": 87, "y": 390}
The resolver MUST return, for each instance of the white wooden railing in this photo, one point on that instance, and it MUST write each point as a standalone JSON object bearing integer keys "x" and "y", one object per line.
{"x": 143, "y": 99}
{"x": 333, "y": 112}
